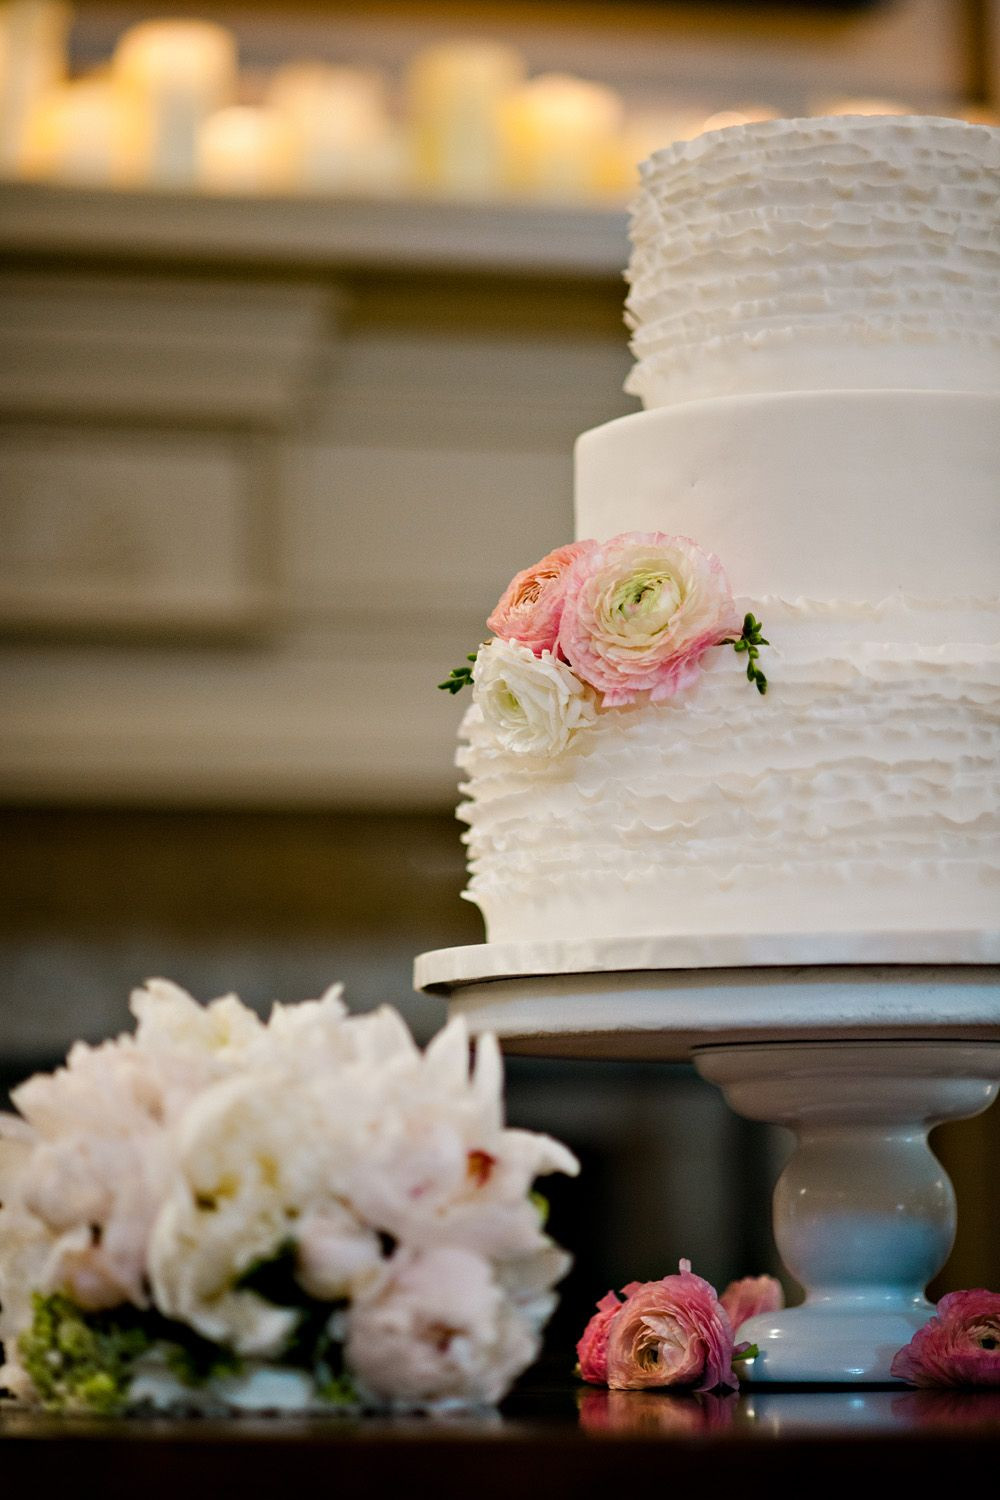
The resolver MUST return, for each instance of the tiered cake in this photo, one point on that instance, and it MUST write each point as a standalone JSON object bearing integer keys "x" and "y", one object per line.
{"x": 815, "y": 307}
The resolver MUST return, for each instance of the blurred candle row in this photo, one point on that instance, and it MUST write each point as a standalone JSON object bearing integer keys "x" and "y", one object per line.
{"x": 165, "y": 112}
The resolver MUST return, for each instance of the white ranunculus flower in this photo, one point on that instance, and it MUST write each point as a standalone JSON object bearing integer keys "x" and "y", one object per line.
{"x": 438, "y": 1327}
{"x": 532, "y": 705}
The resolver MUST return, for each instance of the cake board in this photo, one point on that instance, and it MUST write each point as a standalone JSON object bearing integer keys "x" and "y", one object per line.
{"x": 859, "y": 1055}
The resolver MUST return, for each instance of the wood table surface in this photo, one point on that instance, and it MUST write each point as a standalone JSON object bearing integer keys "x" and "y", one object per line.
{"x": 551, "y": 1437}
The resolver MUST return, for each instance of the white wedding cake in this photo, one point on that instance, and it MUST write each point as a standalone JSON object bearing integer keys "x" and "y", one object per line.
{"x": 815, "y": 315}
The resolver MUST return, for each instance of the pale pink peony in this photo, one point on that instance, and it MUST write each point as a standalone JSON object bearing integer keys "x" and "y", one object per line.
{"x": 750, "y": 1297}
{"x": 960, "y": 1346}
{"x": 671, "y": 1332}
{"x": 640, "y": 612}
{"x": 531, "y": 606}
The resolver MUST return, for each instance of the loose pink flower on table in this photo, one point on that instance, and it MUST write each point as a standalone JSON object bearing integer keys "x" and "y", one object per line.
{"x": 673, "y": 1332}
{"x": 530, "y": 608}
{"x": 592, "y": 1350}
{"x": 960, "y": 1346}
{"x": 640, "y": 612}
{"x": 750, "y": 1297}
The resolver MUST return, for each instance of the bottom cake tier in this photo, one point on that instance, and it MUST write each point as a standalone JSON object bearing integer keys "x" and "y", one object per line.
{"x": 859, "y": 794}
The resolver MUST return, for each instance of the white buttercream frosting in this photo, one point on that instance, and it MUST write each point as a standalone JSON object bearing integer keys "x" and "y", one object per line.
{"x": 863, "y": 792}
{"x": 847, "y": 253}
{"x": 816, "y": 311}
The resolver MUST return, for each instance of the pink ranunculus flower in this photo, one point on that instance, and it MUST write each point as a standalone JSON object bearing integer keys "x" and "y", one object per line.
{"x": 592, "y": 1350}
{"x": 673, "y": 1332}
{"x": 640, "y": 612}
{"x": 531, "y": 606}
{"x": 750, "y": 1297}
{"x": 960, "y": 1346}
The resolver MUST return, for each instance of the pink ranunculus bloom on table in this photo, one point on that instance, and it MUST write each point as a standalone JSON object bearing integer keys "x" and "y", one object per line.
{"x": 530, "y": 608}
{"x": 592, "y": 1350}
{"x": 751, "y": 1296}
{"x": 673, "y": 1332}
{"x": 960, "y": 1346}
{"x": 640, "y": 612}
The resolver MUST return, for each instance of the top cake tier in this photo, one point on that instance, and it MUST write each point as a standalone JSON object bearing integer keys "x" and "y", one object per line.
{"x": 857, "y": 253}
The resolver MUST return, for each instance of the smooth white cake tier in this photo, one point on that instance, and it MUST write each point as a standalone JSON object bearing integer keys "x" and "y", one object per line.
{"x": 821, "y": 494}
{"x": 860, "y": 794}
{"x": 853, "y": 253}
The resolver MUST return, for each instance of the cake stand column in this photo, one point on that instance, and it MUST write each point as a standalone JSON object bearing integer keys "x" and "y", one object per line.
{"x": 864, "y": 1213}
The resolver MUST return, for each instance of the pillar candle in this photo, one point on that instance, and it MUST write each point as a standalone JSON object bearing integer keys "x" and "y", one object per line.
{"x": 32, "y": 62}
{"x": 175, "y": 74}
{"x": 79, "y": 133}
{"x": 456, "y": 92}
{"x": 563, "y": 138}
{"x": 245, "y": 149}
{"x": 345, "y": 140}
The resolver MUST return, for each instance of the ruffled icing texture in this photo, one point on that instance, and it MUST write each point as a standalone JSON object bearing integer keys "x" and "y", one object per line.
{"x": 861, "y": 792}
{"x": 849, "y": 253}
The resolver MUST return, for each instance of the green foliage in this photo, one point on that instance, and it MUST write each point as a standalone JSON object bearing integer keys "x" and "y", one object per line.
{"x": 312, "y": 1346}
{"x": 81, "y": 1361}
{"x": 749, "y": 641}
{"x": 542, "y": 1205}
{"x": 459, "y": 677}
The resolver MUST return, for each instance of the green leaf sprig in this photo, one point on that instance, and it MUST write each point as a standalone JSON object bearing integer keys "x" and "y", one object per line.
{"x": 750, "y": 640}
{"x": 459, "y": 677}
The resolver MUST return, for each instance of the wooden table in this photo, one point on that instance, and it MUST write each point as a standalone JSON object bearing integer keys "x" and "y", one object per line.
{"x": 551, "y": 1438}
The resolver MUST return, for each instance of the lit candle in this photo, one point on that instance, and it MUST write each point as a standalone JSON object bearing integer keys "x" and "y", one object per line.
{"x": 722, "y": 119}
{"x": 649, "y": 130}
{"x": 245, "y": 149}
{"x": 564, "y": 138}
{"x": 32, "y": 61}
{"x": 344, "y": 138}
{"x": 863, "y": 107}
{"x": 456, "y": 93}
{"x": 78, "y": 133}
{"x": 175, "y": 74}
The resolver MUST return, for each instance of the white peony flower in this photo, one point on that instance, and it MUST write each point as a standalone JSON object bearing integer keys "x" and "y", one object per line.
{"x": 438, "y": 1327}
{"x": 258, "y": 1158}
{"x": 170, "y": 1163}
{"x": 97, "y": 1171}
{"x": 440, "y": 1167}
{"x": 532, "y": 705}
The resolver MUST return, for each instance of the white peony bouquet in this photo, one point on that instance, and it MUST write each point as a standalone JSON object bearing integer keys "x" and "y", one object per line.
{"x": 217, "y": 1211}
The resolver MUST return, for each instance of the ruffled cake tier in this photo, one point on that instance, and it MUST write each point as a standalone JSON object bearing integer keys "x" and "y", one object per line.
{"x": 851, "y": 253}
{"x": 861, "y": 793}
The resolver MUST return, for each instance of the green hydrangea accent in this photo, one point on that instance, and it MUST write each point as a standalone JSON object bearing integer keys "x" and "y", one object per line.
{"x": 80, "y": 1361}
{"x": 83, "y": 1361}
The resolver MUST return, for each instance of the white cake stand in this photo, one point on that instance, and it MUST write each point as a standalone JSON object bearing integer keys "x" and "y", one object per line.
{"x": 859, "y": 1058}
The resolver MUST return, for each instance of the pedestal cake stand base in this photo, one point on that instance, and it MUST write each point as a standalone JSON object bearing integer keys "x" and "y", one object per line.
{"x": 860, "y": 1061}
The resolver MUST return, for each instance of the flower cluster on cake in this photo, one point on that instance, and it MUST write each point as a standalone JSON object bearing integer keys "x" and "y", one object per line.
{"x": 218, "y": 1212}
{"x": 597, "y": 626}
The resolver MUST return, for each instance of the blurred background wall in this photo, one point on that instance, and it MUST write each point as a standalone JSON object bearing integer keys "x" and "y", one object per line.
{"x": 277, "y": 424}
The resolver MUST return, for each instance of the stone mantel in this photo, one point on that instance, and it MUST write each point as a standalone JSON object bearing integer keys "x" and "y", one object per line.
{"x": 315, "y": 234}
{"x": 265, "y": 465}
